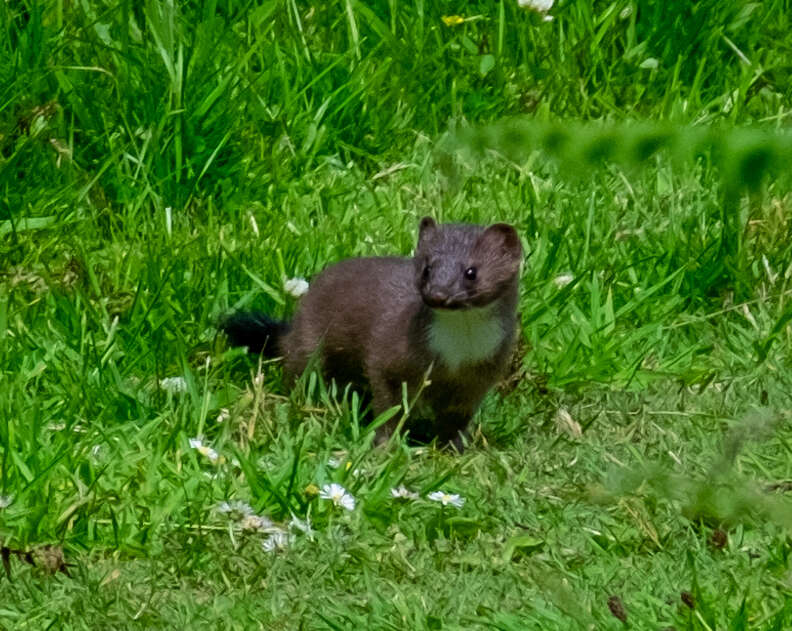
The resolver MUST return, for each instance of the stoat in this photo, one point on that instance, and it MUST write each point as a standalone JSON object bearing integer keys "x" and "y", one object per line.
{"x": 449, "y": 313}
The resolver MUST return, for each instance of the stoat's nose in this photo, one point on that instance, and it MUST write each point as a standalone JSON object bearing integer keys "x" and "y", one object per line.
{"x": 436, "y": 299}
{"x": 441, "y": 300}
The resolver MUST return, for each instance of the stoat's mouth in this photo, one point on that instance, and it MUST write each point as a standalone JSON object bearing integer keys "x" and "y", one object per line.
{"x": 444, "y": 304}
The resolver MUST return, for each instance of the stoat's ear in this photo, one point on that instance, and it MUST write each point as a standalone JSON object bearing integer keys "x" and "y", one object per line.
{"x": 426, "y": 226}
{"x": 501, "y": 241}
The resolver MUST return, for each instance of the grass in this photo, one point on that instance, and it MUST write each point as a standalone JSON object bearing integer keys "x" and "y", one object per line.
{"x": 164, "y": 163}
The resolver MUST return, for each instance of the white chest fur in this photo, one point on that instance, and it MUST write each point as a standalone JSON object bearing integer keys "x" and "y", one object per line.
{"x": 465, "y": 336}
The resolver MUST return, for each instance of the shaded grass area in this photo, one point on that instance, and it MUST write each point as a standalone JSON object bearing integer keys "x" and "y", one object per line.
{"x": 164, "y": 164}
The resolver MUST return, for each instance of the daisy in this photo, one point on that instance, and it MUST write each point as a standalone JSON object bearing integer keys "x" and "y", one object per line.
{"x": 447, "y": 498}
{"x": 256, "y": 522}
{"x": 563, "y": 280}
{"x": 296, "y": 287}
{"x": 174, "y": 385}
{"x": 204, "y": 450}
{"x": 277, "y": 541}
{"x": 338, "y": 494}
{"x": 235, "y": 506}
{"x": 540, "y": 6}
{"x": 402, "y": 493}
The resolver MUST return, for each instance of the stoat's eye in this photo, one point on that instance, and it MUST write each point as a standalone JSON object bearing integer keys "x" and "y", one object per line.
{"x": 426, "y": 270}
{"x": 470, "y": 273}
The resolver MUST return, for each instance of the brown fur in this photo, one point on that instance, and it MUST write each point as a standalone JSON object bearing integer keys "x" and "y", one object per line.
{"x": 368, "y": 320}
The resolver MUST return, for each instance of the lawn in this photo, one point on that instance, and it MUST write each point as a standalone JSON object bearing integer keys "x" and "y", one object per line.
{"x": 163, "y": 164}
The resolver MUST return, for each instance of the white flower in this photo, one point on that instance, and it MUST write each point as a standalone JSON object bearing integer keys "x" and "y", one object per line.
{"x": 562, "y": 280}
{"x": 447, "y": 498}
{"x": 277, "y": 541}
{"x": 204, "y": 450}
{"x": 5, "y": 501}
{"x": 235, "y": 506}
{"x": 303, "y": 526}
{"x": 174, "y": 385}
{"x": 338, "y": 494}
{"x": 296, "y": 287}
{"x": 540, "y": 6}
{"x": 256, "y": 522}
{"x": 223, "y": 415}
{"x": 402, "y": 493}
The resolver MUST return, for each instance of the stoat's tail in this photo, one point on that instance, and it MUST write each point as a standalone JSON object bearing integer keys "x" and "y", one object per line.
{"x": 260, "y": 333}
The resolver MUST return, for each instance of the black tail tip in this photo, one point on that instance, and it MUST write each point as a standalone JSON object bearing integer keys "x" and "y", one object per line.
{"x": 257, "y": 332}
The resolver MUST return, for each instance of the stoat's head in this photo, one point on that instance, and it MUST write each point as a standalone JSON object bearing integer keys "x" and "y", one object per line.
{"x": 459, "y": 266}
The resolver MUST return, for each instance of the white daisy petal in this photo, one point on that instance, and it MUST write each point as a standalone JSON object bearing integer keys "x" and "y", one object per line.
{"x": 296, "y": 287}
{"x": 174, "y": 385}
{"x": 204, "y": 450}
{"x": 277, "y": 541}
{"x": 402, "y": 493}
{"x": 445, "y": 499}
{"x": 235, "y": 506}
{"x": 347, "y": 501}
{"x": 256, "y": 522}
{"x": 562, "y": 280}
{"x": 540, "y": 6}
{"x": 338, "y": 495}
